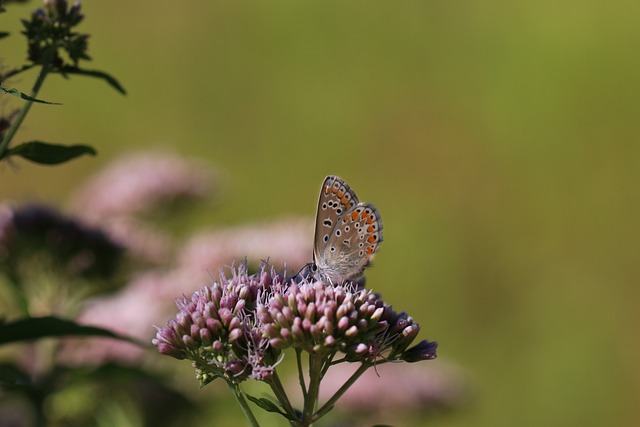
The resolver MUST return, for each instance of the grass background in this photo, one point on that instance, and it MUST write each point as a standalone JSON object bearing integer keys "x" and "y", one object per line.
{"x": 498, "y": 139}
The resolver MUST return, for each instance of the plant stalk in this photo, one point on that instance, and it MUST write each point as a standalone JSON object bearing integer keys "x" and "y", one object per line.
{"x": 303, "y": 386}
{"x": 281, "y": 394}
{"x": 237, "y": 393}
{"x": 46, "y": 67}
{"x": 311, "y": 399}
{"x": 338, "y": 394}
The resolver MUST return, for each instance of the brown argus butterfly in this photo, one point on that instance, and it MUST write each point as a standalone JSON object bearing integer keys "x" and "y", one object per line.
{"x": 347, "y": 233}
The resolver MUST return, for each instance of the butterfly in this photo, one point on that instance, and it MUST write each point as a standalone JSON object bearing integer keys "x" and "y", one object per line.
{"x": 347, "y": 234}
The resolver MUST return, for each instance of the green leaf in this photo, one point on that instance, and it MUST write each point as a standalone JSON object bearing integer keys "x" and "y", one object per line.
{"x": 16, "y": 92}
{"x": 13, "y": 375}
{"x": 33, "y": 328}
{"x": 49, "y": 154}
{"x": 269, "y": 406}
{"x": 111, "y": 81}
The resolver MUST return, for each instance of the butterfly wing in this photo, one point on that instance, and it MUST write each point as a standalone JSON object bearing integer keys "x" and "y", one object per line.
{"x": 336, "y": 198}
{"x": 347, "y": 233}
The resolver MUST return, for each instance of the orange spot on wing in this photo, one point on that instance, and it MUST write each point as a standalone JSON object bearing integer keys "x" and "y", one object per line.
{"x": 344, "y": 201}
{"x": 369, "y": 220}
{"x": 370, "y": 250}
{"x": 372, "y": 239}
{"x": 354, "y": 216}
{"x": 371, "y": 229}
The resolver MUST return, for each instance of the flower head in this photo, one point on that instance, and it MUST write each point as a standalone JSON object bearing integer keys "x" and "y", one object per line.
{"x": 217, "y": 329}
{"x": 50, "y": 29}
{"x": 36, "y": 231}
{"x": 237, "y": 327}
{"x": 323, "y": 318}
{"x": 142, "y": 183}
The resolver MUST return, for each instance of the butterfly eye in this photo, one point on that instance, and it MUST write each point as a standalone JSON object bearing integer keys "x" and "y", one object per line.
{"x": 314, "y": 267}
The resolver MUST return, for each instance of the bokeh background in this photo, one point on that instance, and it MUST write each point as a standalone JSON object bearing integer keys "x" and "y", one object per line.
{"x": 498, "y": 139}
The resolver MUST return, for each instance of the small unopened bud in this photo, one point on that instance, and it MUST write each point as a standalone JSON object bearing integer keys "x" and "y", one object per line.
{"x": 206, "y": 337}
{"x": 235, "y": 334}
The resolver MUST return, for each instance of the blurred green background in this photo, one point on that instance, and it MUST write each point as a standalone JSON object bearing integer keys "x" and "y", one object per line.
{"x": 498, "y": 139}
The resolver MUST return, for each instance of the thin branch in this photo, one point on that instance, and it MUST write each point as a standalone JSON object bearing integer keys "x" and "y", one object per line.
{"x": 281, "y": 394}
{"x": 237, "y": 393}
{"x": 46, "y": 67}
{"x": 338, "y": 394}
{"x": 301, "y": 373}
{"x": 311, "y": 399}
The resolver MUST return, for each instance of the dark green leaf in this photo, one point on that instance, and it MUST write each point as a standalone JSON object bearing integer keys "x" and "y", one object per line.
{"x": 13, "y": 375}
{"x": 16, "y": 92}
{"x": 269, "y": 406}
{"x": 95, "y": 73}
{"x": 33, "y": 328}
{"x": 265, "y": 404}
{"x": 49, "y": 154}
{"x": 3, "y": 34}
{"x": 113, "y": 372}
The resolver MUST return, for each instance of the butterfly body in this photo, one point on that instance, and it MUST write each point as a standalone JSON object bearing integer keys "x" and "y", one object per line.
{"x": 347, "y": 234}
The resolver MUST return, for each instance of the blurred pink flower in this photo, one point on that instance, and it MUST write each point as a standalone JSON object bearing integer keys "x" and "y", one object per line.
{"x": 148, "y": 299}
{"x": 139, "y": 182}
{"x": 282, "y": 241}
{"x": 135, "y": 184}
{"x": 140, "y": 240}
{"x": 395, "y": 388}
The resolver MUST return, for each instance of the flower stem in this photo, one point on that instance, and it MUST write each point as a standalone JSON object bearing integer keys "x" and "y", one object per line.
{"x": 281, "y": 395}
{"x": 301, "y": 373}
{"x": 329, "y": 405}
{"x": 46, "y": 67}
{"x": 327, "y": 364}
{"x": 235, "y": 389}
{"x": 311, "y": 399}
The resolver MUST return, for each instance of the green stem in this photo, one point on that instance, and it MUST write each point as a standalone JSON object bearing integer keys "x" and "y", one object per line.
{"x": 338, "y": 394}
{"x": 237, "y": 393}
{"x": 301, "y": 373}
{"x": 46, "y": 67}
{"x": 40, "y": 418}
{"x": 311, "y": 399}
{"x": 281, "y": 394}
{"x": 16, "y": 71}
{"x": 327, "y": 364}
